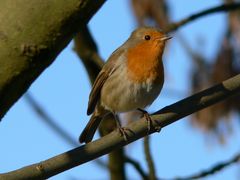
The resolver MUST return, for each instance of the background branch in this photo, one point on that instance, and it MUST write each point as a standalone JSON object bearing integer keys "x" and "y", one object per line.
{"x": 137, "y": 166}
{"x": 212, "y": 170}
{"x": 139, "y": 129}
{"x": 149, "y": 159}
{"x": 224, "y": 8}
{"x": 86, "y": 49}
{"x": 45, "y": 117}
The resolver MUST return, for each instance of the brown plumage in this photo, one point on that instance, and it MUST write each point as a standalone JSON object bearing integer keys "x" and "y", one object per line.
{"x": 132, "y": 78}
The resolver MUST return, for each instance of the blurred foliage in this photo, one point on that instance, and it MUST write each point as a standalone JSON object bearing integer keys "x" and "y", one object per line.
{"x": 225, "y": 65}
{"x": 151, "y": 13}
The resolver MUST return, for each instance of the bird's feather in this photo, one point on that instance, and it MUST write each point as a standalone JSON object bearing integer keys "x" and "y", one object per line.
{"x": 107, "y": 70}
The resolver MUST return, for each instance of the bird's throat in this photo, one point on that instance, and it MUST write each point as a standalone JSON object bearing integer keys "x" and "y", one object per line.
{"x": 145, "y": 64}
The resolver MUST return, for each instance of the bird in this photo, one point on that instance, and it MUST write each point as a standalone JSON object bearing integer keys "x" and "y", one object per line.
{"x": 131, "y": 79}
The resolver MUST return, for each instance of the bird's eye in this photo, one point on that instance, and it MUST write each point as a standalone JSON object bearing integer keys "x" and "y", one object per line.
{"x": 147, "y": 37}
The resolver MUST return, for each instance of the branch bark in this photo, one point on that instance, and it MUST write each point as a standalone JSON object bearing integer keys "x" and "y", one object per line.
{"x": 139, "y": 129}
{"x": 30, "y": 43}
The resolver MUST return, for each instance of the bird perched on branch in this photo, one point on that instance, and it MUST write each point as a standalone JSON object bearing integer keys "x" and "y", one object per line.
{"x": 131, "y": 79}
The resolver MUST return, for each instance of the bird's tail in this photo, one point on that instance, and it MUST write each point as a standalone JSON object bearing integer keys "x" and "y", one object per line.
{"x": 89, "y": 131}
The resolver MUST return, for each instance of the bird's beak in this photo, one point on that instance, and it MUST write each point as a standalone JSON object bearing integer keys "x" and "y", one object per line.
{"x": 166, "y": 38}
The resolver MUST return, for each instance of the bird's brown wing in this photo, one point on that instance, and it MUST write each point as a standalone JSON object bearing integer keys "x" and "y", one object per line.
{"x": 95, "y": 93}
{"x": 106, "y": 71}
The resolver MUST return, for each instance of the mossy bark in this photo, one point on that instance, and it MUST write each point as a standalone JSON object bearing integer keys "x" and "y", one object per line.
{"x": 32, "y": 34}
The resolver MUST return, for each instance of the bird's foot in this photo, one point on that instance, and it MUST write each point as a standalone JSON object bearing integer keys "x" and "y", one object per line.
{"x": 149, "y": 120}
{"x": 122, "y": 131}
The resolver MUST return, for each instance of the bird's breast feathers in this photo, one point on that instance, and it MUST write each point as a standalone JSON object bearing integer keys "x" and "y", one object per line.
{"x": 121, "y": 94}
{"x": 144, "y": 65}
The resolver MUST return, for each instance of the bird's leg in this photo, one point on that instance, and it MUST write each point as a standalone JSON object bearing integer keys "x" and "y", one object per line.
{"x": 120, "y": 128}
{"x": 147, "y": 117}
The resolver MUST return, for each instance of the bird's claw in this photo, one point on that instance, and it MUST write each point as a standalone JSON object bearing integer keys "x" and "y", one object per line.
{"x": 147, "y": 117}
{"x": 122, "y": 131}
{"x": 150, "y": 121}
{"x": 158, "y": 128}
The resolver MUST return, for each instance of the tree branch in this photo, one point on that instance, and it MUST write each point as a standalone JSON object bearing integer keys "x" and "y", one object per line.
{"x": 221, "y": 8}
{"x": 213, "y": 170}
{"x": 116, "y": 164}
{"x": 149, "y": 159}
{"x": 137, "y": 166}
{"x": 86, "y": 49}
{"x": 39, "y": 110}
{"x": 139, "y": 129}
{"x": 30, "y": 43}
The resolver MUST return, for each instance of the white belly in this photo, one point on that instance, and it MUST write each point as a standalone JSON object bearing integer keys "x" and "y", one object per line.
{"x": 123, "y": 95}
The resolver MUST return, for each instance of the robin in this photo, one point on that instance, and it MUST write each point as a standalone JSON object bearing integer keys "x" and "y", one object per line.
{"x": 131, "y": 79}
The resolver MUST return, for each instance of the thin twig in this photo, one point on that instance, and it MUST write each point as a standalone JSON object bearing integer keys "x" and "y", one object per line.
{"x": 149, "y": 159}
{"x": 138, "y": 129}
{"x": 137, "y": 166}
{"x": 45, "y": 117}
{"x": 221, "y": 8}
{"x": 212, "y": 170}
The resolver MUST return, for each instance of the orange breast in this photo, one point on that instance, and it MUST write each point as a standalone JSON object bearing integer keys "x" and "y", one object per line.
{"x": 144, "y": 63}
